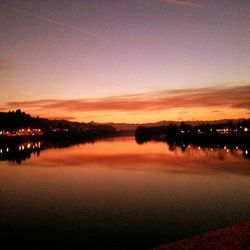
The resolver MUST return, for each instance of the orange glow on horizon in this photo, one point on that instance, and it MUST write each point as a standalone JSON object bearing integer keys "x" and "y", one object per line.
{"x": 214, "y": 103}
{"x": 195, "y": 114}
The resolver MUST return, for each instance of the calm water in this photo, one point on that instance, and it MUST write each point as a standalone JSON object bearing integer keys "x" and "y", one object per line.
{"x": 116, "y": 194}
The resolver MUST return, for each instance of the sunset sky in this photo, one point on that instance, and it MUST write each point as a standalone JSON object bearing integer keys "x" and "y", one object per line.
{"x": 126, "y": 61}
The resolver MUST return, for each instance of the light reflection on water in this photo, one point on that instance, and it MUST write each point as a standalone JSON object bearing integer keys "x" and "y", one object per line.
{"x": 118, "y": 194}
{"x": 18, "y": 153}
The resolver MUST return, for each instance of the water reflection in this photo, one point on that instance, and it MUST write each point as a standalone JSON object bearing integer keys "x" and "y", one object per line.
{"x": 116, "y": 194}
{"x": 219, "y": 152}
{"x": 18, "y": 153}
{"x": 124, "y": 153}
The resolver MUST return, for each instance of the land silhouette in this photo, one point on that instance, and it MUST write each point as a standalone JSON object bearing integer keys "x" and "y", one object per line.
{"x": 22, "y": 135}
{"x": 19, "y": 126}
{"x": 230, "y": 135}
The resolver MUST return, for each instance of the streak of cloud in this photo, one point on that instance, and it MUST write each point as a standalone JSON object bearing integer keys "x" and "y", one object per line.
{"x": 184, "y": 3}
{"x": 55, "y": 22}
{"x": 67, "y": 26}
{"x": 237, "y": 97}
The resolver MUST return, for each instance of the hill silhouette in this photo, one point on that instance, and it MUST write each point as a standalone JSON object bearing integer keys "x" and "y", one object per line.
{"x": 14, "y": 124}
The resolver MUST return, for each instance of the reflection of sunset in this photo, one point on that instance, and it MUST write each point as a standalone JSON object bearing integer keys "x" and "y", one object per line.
{"x": 125, "y": 153}
{"x": 122, "y": 188}
{"x": 118, "y": 180}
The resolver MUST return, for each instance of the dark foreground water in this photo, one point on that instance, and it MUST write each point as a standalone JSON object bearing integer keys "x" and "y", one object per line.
{"x": 116, "y": 194}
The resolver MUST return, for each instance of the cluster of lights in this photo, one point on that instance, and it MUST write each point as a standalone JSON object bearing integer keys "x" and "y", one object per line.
{"x": 23, "y": 147}
{"x": 6, "y": 150}
{"x": 3, "y": 132}
{"x": 60, "y": 129}
{"x": 29, "y": 146}
{"x": 29, "y": 131}
{"x": 212, "y": 149}
{"x": 22, "y": 132}
{"x": 224, "y": 130}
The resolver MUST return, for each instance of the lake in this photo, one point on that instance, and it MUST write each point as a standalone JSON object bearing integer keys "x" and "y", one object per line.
{"x": 117, "y": 194}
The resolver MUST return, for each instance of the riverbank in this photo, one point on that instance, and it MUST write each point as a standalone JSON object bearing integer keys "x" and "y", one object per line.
{"x": 231, "y": 238}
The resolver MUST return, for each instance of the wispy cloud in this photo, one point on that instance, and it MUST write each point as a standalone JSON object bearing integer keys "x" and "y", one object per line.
{"x": 185, "y": 3}
{"x": 237, "y": 97}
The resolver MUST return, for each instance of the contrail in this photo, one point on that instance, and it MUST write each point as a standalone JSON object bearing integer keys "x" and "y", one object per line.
{"x": 187, "y": 4}
{"x": 49, "y": 20}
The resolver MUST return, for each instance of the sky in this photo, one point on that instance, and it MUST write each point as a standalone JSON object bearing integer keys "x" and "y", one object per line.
{"x": 126, "y": 61}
